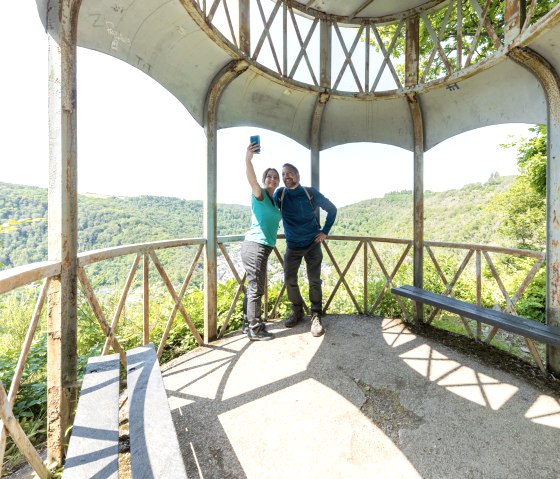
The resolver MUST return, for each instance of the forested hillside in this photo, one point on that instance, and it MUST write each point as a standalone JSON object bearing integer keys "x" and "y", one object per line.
{"x": 464, "y": 215}
{"x": 106, "y": 221}
{"x": 457, "y": 215}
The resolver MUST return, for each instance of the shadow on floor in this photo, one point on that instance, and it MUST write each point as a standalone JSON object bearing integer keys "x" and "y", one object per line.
{"x": 369, "y": 399}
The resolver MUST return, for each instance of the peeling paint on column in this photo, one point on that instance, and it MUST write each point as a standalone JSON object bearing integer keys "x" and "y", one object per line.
{"x": 550, "y": 81}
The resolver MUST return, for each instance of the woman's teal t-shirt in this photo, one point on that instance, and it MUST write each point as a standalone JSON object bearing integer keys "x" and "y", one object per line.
{"x": 265, "y": 218}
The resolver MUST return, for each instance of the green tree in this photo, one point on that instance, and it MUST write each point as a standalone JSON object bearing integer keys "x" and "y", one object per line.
{"x": 531, "y": 159}
{"x": 523, "y": 207}
{"x": 523, "y": 214}
{"x": 444, "y": 23}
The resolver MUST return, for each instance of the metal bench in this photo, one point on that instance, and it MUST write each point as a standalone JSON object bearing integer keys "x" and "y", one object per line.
{"x": 529, "y": 329}
{"x": 154, "y": 448}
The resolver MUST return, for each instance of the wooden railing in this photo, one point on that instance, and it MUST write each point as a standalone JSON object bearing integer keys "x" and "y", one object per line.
{"x": 145, "y": 253}
{"x": 386, "y": 260}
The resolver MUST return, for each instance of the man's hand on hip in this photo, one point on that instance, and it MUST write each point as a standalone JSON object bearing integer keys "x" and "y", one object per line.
{"x": 320, "y": 237}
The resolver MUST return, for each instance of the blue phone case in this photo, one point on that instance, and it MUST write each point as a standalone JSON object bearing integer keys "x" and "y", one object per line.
{"x": 256, "y": 139}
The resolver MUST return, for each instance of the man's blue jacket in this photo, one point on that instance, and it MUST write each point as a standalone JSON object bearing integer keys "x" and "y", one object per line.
{"x": 298, "y": 215}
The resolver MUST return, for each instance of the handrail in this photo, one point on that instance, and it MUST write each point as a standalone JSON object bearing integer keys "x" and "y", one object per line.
{"x": 14, "y": 278}
{"x": 492, "y": 249}
{"x": 94, "y": 256}
{"x": 145, "y": 253}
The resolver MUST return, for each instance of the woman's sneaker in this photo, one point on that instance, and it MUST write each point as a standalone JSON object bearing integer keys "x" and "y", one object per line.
{"x": 316, "y": 325}
{"x": 259, "y": 334}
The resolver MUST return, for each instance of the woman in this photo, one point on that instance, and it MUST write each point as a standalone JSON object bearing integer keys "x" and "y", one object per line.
{"x": 258, "y": 244}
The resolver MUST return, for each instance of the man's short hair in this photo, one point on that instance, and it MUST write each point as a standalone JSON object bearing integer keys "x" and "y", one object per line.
{"x": 291, "y": 167}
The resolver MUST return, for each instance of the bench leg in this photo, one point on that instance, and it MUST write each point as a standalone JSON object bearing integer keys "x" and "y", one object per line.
{"x": 415, "y": 316}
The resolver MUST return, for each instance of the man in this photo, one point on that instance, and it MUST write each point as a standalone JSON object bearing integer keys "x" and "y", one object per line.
{"x": 304, "y": 236}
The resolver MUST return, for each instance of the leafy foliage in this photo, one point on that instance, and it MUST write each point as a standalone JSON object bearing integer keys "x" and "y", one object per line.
{"x": 531, "y": 158}
{"x": 522, "y": 208}
{"x": 523, "y": 215}
{"x": 444, "y": 23}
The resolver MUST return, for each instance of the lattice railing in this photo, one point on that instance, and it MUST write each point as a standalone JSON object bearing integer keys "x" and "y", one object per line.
{"x": 366, "y": 55}
{"x": 478, "y": 258}
{"x": 353, "y": 263}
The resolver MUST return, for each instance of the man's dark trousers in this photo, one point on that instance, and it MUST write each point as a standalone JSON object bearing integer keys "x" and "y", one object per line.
{"x": 313, "y": 256}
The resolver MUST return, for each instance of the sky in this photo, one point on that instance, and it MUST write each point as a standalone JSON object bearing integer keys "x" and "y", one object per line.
{"x": 135, "y": 138}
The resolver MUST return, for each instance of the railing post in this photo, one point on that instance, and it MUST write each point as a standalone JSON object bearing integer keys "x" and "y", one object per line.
{"x": 365, "y": 278}
{"x": 62, "y": 20}
{"x": 478, "y": 289}
{"x": 211, "y": 233}
{"x": 146, "y": 298}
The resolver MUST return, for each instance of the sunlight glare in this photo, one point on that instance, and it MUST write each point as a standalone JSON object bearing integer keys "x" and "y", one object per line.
{"x": 458, "y": 379}
{"x": 545, "y": 411}
{"x": 396, "y": 333}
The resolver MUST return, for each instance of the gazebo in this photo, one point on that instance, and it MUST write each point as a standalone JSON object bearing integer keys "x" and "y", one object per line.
{"x": 423, "y": 71}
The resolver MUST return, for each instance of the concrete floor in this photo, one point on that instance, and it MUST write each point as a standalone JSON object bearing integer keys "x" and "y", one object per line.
{"x": 369, "y": 399}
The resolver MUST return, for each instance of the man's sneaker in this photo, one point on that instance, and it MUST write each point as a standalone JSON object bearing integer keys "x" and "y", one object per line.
{"x": 245, "y": 325}
{"x": 293, "y": 319}
{"x": 260, "y": 334}
{"x": 316, "y": 325}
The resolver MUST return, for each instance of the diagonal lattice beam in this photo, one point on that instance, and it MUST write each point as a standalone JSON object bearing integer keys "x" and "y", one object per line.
{"x": 482, "y": 15}
{"x": 175, "y": 297}
{"x": 437, "y": 42}
{"x": 23, "y": 355}
{"x": 98, "y": 312}
{"x": 348, "y": 60}
{"x": 389, "y": 277}
{"x": 342, "y": 275}
{"x": 266, "y": 34}
{"x": 19, "y": 437}
{"x": 230, "y": 264}
{"x": 387, "y": 56}
{"x": 451, "y": 284}
{"x": 240, "y": 288}
{"x": 122, "y": 301}
{"x": 510, "y": 305}
{"x": 303, "y": 47}
{"x": 180, "y": 296}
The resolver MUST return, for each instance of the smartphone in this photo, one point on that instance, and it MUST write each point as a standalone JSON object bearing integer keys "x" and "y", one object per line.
{"x": 256, "y": 139}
